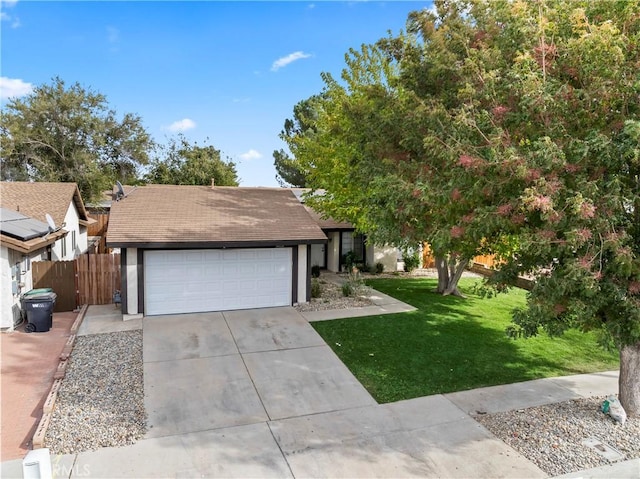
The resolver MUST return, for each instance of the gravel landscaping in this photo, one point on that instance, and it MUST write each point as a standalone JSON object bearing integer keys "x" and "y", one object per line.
{"x": 331, "y": 297}
{"x": 100, "y": 402}
{"x": 552, "y": 436}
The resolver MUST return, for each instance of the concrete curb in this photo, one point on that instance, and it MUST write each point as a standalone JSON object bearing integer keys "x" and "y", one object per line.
{"x": 49, "y": 403}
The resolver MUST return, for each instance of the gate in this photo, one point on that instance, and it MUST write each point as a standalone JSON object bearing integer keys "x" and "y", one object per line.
{"x": 98, "y": 276}
{"x": 89, "y": 279}
{"x": 59, "y": 276}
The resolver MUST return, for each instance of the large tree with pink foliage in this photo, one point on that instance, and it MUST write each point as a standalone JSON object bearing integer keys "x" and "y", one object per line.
{"x": 506, "y": 127}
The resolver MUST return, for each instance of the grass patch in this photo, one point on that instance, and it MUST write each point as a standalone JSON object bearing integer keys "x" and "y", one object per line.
{"x": 452, "y": 344}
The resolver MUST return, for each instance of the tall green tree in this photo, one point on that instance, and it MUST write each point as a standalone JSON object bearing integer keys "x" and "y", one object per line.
{"x": 69, "y": 133}
{"x": 182, "y": 163}
{"x": 291, "y": 172}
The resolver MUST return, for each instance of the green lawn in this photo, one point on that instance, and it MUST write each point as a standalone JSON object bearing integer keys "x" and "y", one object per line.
{"x": 452, "y": 344}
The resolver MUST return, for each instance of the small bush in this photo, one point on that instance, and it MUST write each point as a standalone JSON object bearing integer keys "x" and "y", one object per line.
{"x": 379, "y": 268}
{"x": 347, "y": 289}
{"x": 316, "y": 289}
{"x": 349, "y": 260}
{"x": 315, "y": 271}
{"x": 411, "y": 262}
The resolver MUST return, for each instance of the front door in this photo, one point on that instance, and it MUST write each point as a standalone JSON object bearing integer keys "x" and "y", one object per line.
{"x": 318, "y": 256}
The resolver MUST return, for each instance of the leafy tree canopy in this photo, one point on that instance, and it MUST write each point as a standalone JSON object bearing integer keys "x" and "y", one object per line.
{"x": 506, "y": 127}
{"x": 290, "y": 171}
{"x": 69, "y": 134}
{"x": 187, "y": 164}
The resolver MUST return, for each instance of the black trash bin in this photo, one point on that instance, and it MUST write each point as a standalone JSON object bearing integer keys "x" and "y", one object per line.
{"x": 39, "y": 310}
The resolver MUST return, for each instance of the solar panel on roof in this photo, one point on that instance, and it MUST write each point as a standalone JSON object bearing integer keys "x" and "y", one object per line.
{"x": 21, "y": 227}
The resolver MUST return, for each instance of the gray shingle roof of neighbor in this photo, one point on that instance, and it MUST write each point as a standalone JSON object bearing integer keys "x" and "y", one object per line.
{"x": 201, "y": 216}
{"x": 35, "y": 199}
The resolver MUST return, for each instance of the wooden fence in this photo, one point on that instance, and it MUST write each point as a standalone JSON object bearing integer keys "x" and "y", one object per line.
{"x": 97, "y": 277}
{"x": 99, "y": 228}
{"x": 59, "y": 276}
{"x": 89, "y": 279}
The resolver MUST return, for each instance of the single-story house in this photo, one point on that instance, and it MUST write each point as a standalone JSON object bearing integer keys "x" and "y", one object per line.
{"x": 203, "y": 248}
{"x": 26, "y": 235}
{"x": 23, "y": 240}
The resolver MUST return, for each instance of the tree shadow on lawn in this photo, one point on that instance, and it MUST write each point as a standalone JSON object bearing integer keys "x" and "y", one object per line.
{"x": 449, "y": 344}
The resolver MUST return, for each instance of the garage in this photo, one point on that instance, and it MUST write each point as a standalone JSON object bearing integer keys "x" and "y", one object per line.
{"x": 198, "y": 280}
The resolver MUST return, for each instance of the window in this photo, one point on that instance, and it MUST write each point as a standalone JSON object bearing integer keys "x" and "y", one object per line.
{"x": 64, "y": 246}
{"x": 353, "y": 242}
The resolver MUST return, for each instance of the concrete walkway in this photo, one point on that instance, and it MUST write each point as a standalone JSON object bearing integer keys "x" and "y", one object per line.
{"x": 257, "y": 393}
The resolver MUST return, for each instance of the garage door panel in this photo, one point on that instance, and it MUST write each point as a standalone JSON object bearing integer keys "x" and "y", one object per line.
{"x": 215, "y": 280}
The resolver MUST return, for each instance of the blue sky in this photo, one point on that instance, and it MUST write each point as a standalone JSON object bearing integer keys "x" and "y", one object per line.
{"x": 229, "y": 72}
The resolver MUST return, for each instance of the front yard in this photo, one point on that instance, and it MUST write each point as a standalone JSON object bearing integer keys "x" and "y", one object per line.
{"x": 452, "y": 344}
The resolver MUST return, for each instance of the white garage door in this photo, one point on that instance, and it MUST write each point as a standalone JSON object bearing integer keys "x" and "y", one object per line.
{"x": 190, "y": 281}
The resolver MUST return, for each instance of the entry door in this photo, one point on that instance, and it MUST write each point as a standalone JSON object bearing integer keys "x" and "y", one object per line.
{"x": 318, "y": 255}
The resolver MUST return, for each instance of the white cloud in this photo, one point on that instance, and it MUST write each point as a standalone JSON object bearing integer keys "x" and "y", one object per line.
{"x": 14, "y": 87}
{"x": 182, "y": 125}
{"x": 251, "y": 155}
{"x": 5, "y": 17}
{"x": 290, "y": 58}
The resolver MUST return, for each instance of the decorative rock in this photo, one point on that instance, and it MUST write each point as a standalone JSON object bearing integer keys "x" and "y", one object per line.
{"x": 100, "y": 403}
{"x": 552, "y": 436}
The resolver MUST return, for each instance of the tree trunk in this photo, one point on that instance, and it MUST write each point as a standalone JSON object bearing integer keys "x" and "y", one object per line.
{"x": 450, "y": 271}
{"x": 443, "y": 273}
{"x": 629, "y": 381}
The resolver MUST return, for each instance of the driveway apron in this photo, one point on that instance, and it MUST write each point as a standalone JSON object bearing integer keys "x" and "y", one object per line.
{"x": 216, "y": 370}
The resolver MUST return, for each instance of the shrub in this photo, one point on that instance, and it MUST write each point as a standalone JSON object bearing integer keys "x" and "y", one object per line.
{"x": 411, "y": 261}
{"x": 316, "y": 289}
{"x": 379, "y": 268}
{"x": 349, "y": 260}
{"x": 347, "y": 289}
{"x": 315, "y": 271}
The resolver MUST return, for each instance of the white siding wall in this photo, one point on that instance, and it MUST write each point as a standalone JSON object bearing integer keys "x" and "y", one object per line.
{"x": 11, "y": 302}
{"x": 132, "y": 281}
{"x": 72, "y": 225}
{"x": 303, "y": 272}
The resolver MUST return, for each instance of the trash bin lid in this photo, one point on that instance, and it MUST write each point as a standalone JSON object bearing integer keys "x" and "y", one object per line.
{"x": 37, "y": 291}
{"x": 36, "y": 298}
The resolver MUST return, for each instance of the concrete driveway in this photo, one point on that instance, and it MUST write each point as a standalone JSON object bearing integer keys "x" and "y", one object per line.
{"x": 259, "y": 393}
{"x": 216, "y": 370}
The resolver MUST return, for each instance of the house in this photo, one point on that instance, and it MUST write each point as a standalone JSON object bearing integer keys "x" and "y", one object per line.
{"x": 23, "y": 240}
{"x": 61, "y": 201}
{"x": 342, "y": 239}
{"x": 203, "y": 248}
{"x": 26, "y": 235}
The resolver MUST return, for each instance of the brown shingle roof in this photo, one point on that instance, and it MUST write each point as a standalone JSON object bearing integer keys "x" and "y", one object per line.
{"x": 38, "y": 198}
{"x": 157, "y": 215}
{"x": 328, "y": 223}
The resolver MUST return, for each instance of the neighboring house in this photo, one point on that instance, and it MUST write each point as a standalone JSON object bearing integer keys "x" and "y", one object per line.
{"x": 23, "y": 240}
{"x": 342, "y": 239}
{"x": 62, "y": 201}
{"x": 199, "y": 248}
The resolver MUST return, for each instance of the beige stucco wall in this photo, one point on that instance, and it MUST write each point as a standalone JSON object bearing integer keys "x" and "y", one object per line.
{"x": 132, "y": 281}
{"x": 333, "y": 251}
{"x": 387, "y": 255}
{"x": 303, "y": 272}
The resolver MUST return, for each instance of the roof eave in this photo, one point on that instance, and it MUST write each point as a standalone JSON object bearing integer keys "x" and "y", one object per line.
{"x": 32, "y": 244}
{"x": 212, "y": 244}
